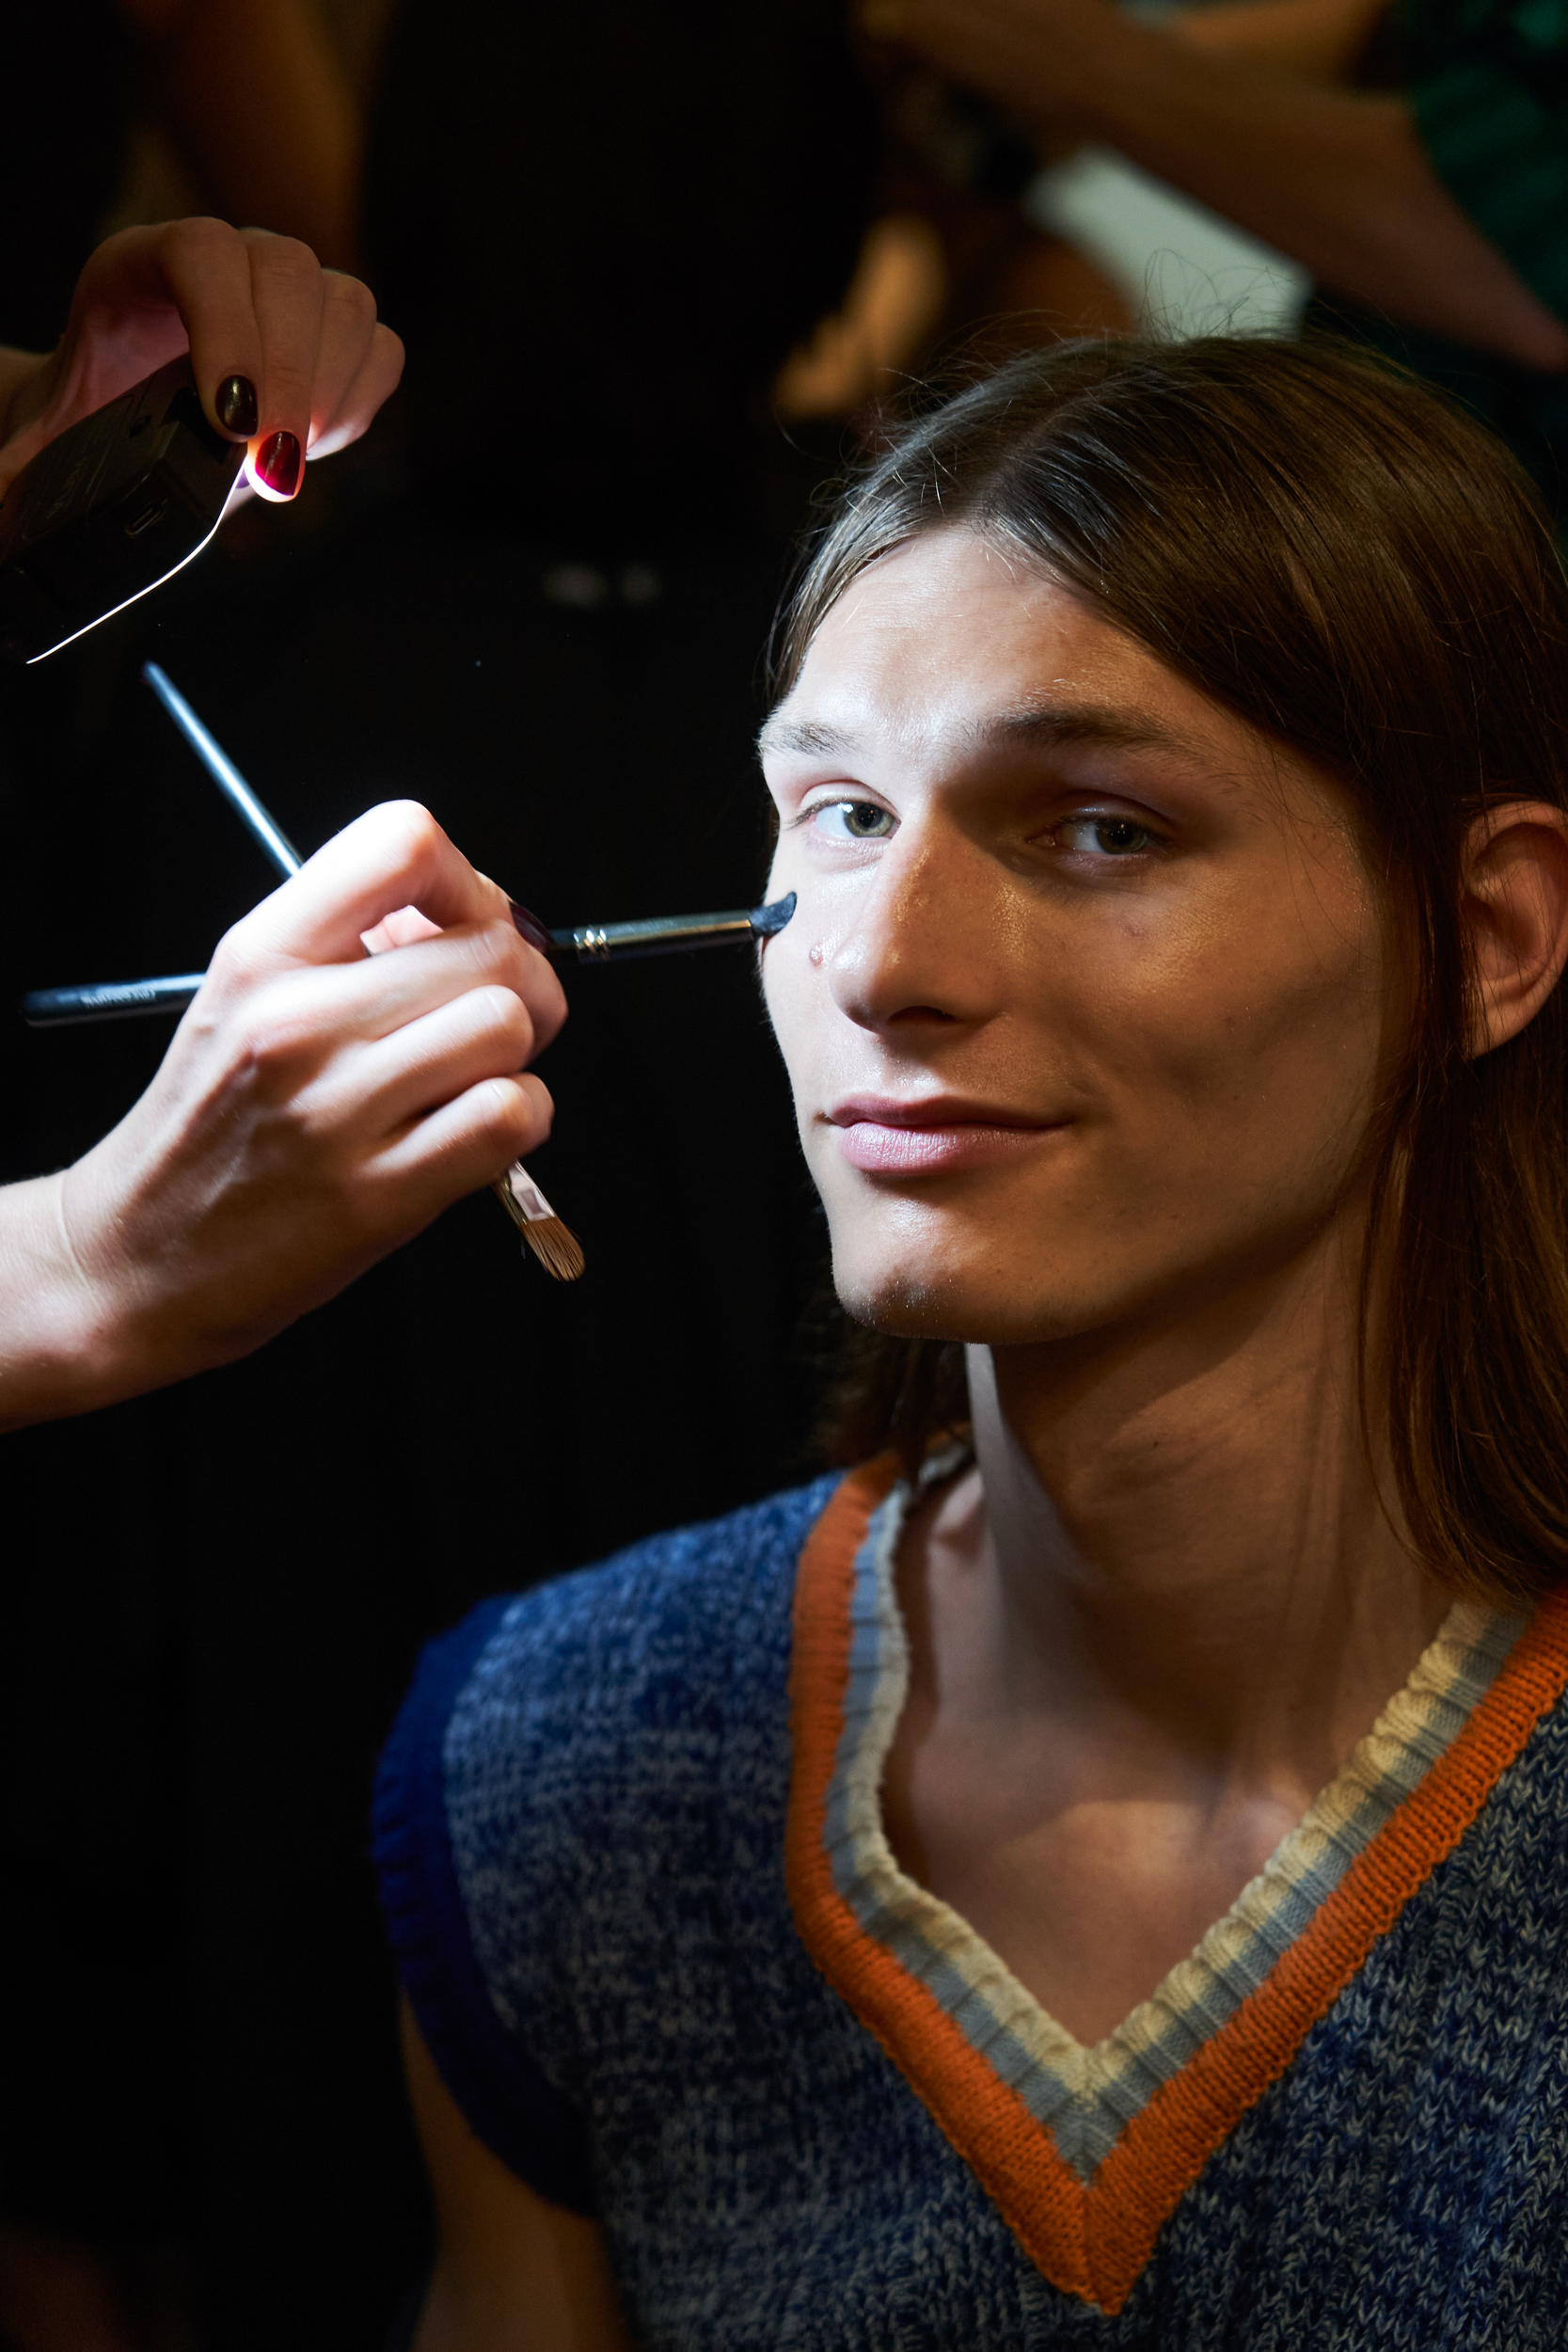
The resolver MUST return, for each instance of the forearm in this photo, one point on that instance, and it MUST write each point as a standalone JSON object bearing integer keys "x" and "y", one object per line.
{"x": 258, "y": 101}
{"x": 1309, "y": 40}
{"x": 1338, "y": 181}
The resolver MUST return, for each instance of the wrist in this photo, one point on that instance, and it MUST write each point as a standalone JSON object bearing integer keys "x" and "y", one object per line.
{"x": 65, "y": 1342}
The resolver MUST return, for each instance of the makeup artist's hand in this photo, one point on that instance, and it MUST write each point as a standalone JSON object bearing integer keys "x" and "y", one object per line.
{"x": 318, "y": 1106}
{"x": 287, "y": 356}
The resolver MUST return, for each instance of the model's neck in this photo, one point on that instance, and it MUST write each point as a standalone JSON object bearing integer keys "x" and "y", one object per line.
{"x": 1182, "y": 1528}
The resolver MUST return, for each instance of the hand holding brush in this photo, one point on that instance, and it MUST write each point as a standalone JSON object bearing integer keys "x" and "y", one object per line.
{"x": 552, "y": 1242}
{"x": 317, "y": 1109}
{"x": 555, "y": 1248}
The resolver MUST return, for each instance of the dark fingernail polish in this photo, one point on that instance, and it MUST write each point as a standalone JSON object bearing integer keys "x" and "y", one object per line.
{"x": 530, "y": 926}
{"x": 236, "y": 405}
{"x": 277, "y": 462}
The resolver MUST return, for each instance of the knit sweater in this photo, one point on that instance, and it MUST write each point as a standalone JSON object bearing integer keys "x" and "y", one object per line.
{"x": 632, "y": 1861}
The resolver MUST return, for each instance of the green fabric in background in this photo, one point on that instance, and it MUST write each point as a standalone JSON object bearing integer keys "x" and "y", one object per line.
{"x": 1488, "y": 85}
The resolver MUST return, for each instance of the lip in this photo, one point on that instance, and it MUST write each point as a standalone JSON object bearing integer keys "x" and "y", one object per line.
{"x": 882, "y": 1137}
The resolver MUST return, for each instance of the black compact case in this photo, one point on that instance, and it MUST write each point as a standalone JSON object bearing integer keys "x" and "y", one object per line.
{"x": 108, "y": 510}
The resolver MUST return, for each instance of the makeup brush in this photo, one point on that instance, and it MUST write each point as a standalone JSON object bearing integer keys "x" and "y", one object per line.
{"x": 229, "y": 782}
{"x": 554, "y": 1244}
{"x": 594, "y": 943}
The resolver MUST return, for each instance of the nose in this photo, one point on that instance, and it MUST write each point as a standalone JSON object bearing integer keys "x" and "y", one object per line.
{"x": 919, "y": 945}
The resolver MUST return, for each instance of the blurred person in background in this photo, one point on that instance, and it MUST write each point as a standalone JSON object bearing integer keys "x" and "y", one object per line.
{"x": 1431, "y": 205}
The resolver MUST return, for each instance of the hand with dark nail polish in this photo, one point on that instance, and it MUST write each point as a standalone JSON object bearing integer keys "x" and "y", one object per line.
{"x": 279, "y": 463}
{"x": 530, "y": 926}
{"x": 235, "y": 403}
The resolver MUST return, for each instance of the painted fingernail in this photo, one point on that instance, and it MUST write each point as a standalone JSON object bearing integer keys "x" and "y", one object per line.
{"x": 277, "y": 462}
{"x": 530, "y": 926}
{"x": 235, "y": 403}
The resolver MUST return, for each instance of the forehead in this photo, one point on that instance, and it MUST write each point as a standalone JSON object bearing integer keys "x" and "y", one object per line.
{"x": 950, "y": 631}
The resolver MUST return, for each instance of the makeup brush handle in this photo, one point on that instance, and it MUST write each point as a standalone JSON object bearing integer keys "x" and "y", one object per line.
{"x": 109, "y": 1000}
{"x": 609, "y": 942}
{"x": 665, "y": 935}
{"x": 671, "y": 934}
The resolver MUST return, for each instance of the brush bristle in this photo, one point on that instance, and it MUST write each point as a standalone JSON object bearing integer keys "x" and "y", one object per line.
{"x": 556, "y": 1246}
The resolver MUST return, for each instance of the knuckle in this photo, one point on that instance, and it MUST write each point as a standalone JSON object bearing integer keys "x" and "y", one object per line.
{"x": 410, "y": 834}
{"x": 267, "y": 1031}
{"x": 273, "y": 256}
{"x": 270, "y": 1043}
{"x": 504, "y": 1018}
{"x": 411, "y": 821}
{"x": 195, "y": 240}
{"x": 236, "y": 966}
{"x": 504, "y": 1114}
{"x": 352, "y": 299}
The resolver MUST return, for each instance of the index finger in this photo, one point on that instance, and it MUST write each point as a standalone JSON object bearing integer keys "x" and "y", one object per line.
{"x": 205, "y": 269}
{"x": 396, "y": 855}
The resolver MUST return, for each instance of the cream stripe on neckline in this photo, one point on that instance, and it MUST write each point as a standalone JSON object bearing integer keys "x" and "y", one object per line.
{"x": 1086, "y": 2095}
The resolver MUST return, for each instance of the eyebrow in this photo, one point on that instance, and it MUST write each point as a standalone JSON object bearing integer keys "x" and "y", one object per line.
{"x": 1046, "y": 726}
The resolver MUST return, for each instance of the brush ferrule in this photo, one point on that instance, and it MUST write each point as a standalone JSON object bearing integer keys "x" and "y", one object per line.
{"x": 662, "y": 935}
{"x": 670, "y": 934}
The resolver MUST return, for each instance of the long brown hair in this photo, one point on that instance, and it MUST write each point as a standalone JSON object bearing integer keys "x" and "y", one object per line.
{"x": 1345, "y": 559}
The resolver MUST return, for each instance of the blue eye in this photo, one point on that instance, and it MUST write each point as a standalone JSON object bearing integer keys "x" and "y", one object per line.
{"x": 1105, "y": 836}
{"x": 853, "y": 820}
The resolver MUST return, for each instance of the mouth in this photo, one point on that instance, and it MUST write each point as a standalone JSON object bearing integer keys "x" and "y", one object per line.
{"x": 884, "y": 1138}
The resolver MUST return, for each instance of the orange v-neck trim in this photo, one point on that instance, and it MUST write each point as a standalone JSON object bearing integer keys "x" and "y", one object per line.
{"x": 1093, "y": 2240}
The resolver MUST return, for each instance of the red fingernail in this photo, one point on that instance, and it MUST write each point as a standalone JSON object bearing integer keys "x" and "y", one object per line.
{"x": 278, "y": 461}
{"x": 530, "y": 926}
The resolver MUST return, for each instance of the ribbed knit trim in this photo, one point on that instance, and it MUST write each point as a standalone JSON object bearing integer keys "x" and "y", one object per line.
{"x": 1087, "y": 2151}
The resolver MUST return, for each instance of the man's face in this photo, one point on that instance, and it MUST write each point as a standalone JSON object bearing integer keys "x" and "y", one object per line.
{"x": 1084, "y": 1000}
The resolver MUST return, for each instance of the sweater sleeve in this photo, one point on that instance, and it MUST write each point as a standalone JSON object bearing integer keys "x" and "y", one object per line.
{"x": 502, "y": 2092}
{"x": 1488, "y": 87}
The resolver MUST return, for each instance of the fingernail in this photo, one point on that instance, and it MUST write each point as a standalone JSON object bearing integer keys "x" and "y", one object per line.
{"x": 277, "y": 462}
{"x": 530, "y": 926}
{"x": 236, "y": 405}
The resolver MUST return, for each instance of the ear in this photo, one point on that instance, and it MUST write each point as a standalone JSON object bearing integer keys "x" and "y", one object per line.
{"x": 1516, "y": 909}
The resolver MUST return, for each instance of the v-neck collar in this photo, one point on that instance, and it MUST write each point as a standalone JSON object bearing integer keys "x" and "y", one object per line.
{"x": 1087, "y": 2150}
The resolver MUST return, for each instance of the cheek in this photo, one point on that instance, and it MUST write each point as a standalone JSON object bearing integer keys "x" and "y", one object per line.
{"x": 789, "y": 986}
{"x": 1265, "y": 1038}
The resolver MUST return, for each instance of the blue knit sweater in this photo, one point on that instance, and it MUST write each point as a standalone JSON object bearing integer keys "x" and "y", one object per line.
{"x": 632, "y": 1863}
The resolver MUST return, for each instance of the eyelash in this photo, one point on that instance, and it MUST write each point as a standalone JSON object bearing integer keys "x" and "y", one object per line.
{"x": 1085, "y": 819}
{"x": 1093, "y": 821}
{"x": 825, "y": 808}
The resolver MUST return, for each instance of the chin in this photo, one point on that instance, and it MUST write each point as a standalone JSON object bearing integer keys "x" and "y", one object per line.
{"x": 922, "y": 1302}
